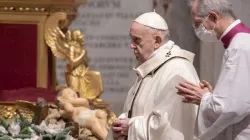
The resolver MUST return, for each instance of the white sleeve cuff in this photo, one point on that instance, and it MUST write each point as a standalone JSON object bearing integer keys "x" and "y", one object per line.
{"x": 134, "y": 118}
{"x": 137, "y": 128}
{"x": 204, "y": 100}
{"x": 206, "y": 95}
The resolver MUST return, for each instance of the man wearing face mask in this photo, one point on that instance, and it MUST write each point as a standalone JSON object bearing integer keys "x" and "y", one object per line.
{"x": 153, "y": 110}
{"x": 224, "y": 112}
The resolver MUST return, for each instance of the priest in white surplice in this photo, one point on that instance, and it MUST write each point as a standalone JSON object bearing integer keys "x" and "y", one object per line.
{"x": 153, "y": 110}
{"x": 224, "y": 113}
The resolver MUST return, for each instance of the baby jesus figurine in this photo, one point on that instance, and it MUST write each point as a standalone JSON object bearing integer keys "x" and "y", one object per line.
{"x": 77, "y": 110}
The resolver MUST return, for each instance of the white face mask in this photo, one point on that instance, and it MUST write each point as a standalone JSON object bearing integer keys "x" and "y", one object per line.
{"x": 206, "y": 35}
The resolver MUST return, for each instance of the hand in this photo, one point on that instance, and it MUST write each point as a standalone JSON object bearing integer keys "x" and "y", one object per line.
{"x": 116, "y": 127}
{"x": 120, "y": 128}
{"x": 191, "y": 93}
{"x": 204, "y": 84}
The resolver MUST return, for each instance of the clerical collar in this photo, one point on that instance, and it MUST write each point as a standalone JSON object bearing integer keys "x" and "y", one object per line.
{"x": 231, "y": 31}
{"x": 230, "y": 27}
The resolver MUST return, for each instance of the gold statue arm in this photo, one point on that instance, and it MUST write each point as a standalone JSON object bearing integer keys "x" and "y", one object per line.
{"x": 79, "y": 60}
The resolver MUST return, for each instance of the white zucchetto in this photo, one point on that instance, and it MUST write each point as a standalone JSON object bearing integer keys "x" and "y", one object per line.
{"x": 153, "y": 20}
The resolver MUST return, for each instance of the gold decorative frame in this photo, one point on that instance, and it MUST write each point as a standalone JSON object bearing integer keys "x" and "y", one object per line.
{"x": 36, "y": 12}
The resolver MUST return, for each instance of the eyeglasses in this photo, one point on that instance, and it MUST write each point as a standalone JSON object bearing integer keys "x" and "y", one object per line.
{"x": 196, "y": 24}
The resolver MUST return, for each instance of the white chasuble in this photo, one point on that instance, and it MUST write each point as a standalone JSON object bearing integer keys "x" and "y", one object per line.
{"x": 155, "y": 109}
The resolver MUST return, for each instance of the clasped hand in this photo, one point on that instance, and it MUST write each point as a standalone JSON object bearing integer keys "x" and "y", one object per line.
{"x": 192, "y": 93}
{"x": 120, "y": 128}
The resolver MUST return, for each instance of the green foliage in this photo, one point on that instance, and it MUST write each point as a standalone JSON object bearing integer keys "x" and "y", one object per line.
{"x": 26, "y": 131}
{"x": 47, "y": 137}
{"x": 67, "y": 129}
{"x": 2, "y": 134}
{"x": 37, "y": 130}
{"x": 24, "y": 122}
{"x": 16, "y": 119}
{"x": 5, "y": 137}
{"x": 22, "y": 136}
{"x": 4, "y": 123}
{"x": 61, "y": 137}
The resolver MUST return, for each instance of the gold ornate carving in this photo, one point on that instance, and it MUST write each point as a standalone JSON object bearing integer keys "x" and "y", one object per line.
{"x": 44, "y": 6}
{"x": 37, "y": 9}
{"x": 22, "y": 9}
{"x": 10, "y": 110}
{"x": 25, "y": 109}
{"x": 7, "y": 111}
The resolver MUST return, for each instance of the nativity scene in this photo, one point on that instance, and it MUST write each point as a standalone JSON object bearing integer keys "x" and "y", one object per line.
{"x": 45, "y": 110}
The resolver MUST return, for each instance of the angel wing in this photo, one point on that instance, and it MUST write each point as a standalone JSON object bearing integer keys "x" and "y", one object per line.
{"x": 56, "y": 40}
{"x": 54, "y": 37}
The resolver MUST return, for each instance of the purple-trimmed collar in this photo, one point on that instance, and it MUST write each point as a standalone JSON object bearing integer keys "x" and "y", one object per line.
{"x": 238, "y": 28}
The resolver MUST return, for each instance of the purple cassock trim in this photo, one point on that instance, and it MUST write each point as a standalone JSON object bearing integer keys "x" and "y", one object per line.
{"x": 240, "y": 28}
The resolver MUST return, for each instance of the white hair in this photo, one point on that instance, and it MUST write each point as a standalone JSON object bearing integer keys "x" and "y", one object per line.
{"x": 163, "y": 33}
{"x": 222, "y": 7}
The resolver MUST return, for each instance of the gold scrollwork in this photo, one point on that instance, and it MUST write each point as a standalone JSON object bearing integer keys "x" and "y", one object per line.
{"x": 36, "y": 9}
{"x": 10, "y": 110}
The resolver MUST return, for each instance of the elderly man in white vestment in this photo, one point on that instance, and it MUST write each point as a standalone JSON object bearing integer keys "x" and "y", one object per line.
{"x": 153, "y": 110}
{"x": 224, "y": 112}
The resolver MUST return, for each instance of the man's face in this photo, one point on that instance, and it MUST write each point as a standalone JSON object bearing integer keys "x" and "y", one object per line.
{"x": 198, "y": 20}
{"x": 142, "y": 42}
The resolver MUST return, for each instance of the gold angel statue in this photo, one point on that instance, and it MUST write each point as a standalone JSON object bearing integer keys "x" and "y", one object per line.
{"x": 78, "y": 75}
{"x": 69, "y": 46}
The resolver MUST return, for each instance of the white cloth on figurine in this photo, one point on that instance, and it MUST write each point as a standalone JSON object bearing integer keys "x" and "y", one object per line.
{"x": 224, "y": 114}
{"x": 84, "y": 116}
{"x": 158, "y": 112}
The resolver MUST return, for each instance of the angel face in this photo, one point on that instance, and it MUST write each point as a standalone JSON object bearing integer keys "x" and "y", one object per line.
{"x": 78, "y": 36}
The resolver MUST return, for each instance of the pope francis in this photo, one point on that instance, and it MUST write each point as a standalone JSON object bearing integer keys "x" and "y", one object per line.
{"x": 152, "y": 110}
